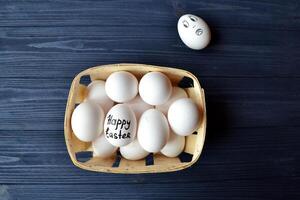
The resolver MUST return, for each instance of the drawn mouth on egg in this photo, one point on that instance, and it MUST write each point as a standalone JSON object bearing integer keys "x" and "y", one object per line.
{"x": 199, "y": 32}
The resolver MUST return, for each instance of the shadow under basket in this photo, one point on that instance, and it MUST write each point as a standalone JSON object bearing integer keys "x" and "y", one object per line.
{"x": 80, "y": 151}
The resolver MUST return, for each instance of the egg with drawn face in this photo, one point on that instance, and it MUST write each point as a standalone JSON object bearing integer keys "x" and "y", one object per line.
{"x": 193, "y": 31}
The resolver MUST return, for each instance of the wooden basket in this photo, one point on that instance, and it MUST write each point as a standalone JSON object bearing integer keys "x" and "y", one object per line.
{"x": 194, "y": 142}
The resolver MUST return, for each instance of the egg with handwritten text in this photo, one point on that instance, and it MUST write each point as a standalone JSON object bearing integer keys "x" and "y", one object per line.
{"x": 120, "y": 125}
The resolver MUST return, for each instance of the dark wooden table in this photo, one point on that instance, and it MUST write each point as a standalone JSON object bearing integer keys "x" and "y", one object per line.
{"x": 250, "y": 72}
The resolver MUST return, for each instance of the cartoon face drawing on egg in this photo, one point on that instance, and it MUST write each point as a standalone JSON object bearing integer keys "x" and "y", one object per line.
{"x": 193, "y": 31}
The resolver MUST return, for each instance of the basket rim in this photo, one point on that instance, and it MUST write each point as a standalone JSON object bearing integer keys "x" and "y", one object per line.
{"x": 150, "y": 168}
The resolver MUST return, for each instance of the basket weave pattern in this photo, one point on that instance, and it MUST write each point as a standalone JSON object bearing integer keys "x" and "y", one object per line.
{"x": 194, "y": 142}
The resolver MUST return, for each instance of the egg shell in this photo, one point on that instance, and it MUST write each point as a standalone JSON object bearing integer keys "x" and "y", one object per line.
{"x": 174, "y": 146}
{"x": 138, "y": 106}
{"x": 120, "y": 125}
{"x": 177, "y": 93}
{"x": 183, "y": 116}
{"x": 193, "y": 31}
{"x": 97, "y": 93}
{"x": 155, "y": 88}
{"x": 87, "y": 121}
{"x": 121, "y": 86}
{"x": 153, "y": 130}
{"x": 102, "y": 148}
{"x": 133, "y": 151}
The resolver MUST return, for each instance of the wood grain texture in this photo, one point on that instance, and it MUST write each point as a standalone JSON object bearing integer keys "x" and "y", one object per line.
{"x": 39, "y": 103}
{"x": 250, "y": 74}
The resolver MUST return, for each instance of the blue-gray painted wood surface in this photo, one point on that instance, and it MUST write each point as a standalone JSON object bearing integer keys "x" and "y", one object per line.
{"x": 250, "y": 72}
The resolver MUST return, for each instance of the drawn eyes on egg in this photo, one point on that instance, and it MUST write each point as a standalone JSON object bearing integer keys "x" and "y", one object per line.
{"x": 199, "y": 32}
{"x": 185, "y": 24}
{"x": 193, "y": 31}
{"x": 194, "y": 19}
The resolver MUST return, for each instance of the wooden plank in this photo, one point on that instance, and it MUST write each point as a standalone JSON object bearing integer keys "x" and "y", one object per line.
{"x": 252, "y": 55}
{"x": 39, "y": 104}
{"x": 229, "y": 154}
{"x": 92, "y": 13}
{"x": 228, "y": 189}
{"x": 250, "y": 74}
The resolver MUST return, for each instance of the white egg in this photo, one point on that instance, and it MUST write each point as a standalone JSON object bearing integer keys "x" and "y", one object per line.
{"x": 155, "y": 88}
{"x": 96, "y": 93}
{"x": 174, "y": 146}
{"x": 133, "y": 151}
{"x": 120, "y": 125}
{"x": 138, "y": 106}
{"x": 193, "y": 31}
{"x": 183, "y": 116}
{"x": 87, "y": 121}
{"x": 121, "y": 86}
{"x": 153, "y": 130}
{"x": 177, "y": 93}
{"x": 102, "y": 148}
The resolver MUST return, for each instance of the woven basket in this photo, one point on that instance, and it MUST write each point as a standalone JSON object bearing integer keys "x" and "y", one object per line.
{"x": 160, "y": 163}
